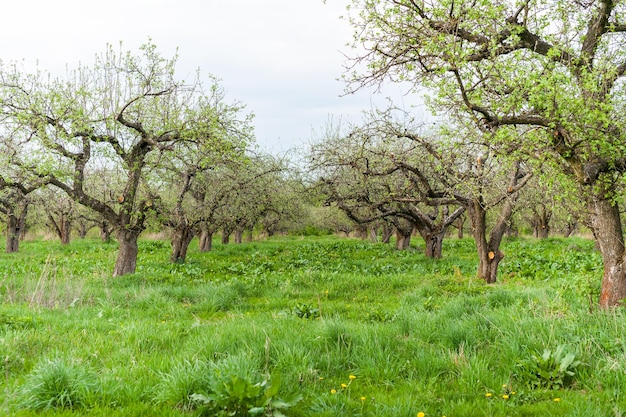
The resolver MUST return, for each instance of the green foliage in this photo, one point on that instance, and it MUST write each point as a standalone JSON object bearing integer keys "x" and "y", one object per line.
{"x": 418, "y": 334}
{"x": 305, "y": 311}
{"x": 554, "y": 369}
{"x": 235, "y": 391}
{"x": 57, "y": 384}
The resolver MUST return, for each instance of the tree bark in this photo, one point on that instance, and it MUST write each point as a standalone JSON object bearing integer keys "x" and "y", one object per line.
{"x": 181, "y": 238}
{"x": 225, "y": 237}
{"x": 541, "y": 223}
{"x": 434, "y": 244}
{"x": 403, "y": 238}
{"x": 607, "y": 228}
{"x": 16, "y": 223}
{"x": 206, "y": 241}
{"x": 374, "y": 235}
{"x": 238, "y": 236}
{"x": 126, "y": 262}
{"x": 105, "y": 231}
{"x": 489, "y": 254}
{"x": 386, "y": 234}
{"x": 62, "y": 227}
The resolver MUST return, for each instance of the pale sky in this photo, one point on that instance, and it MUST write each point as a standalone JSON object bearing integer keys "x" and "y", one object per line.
{"x": 282, "y": 58}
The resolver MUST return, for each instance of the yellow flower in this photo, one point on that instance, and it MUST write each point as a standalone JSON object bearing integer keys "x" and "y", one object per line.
{"x": 333, "y": 391}
{"x": 421, "y": 414}
{"x": 506, "y": 397}
{"x": 362, "y": 398}
{"x": 488, "y": 395}
{"x": 321, "y": 378}
{"x": 352, "y": 377}
{"x": 344, "y": 386}
{"x": 556, "y": 400}
{"x": 512, "y": 392}
{"x": 504, "y": 386}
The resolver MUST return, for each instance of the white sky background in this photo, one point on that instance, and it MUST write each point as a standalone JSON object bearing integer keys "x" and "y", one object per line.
{"x": 281, "y": 58}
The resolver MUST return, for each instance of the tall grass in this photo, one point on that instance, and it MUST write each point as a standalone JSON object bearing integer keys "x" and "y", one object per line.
{"x": 394, "y": 333}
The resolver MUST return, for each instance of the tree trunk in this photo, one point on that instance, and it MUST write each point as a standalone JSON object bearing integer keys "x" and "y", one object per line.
{"x": 459, "y": 223}
{"x": 386, "y": 234}
{"x": 181, "y": 238}
{"x": 374, "y": 235}
{"x": 225, "y": 237}
{"x": 126, "y": 262}
{"x": 489, "y": 253}
{"x": 607, "y": 228}
{"x": 541, "y": 223}
{"x": 570, "y": 227}
{"x": 206, "y": 241}
{"x": 13, "y": 234}
{"x": 238, "y": 236}
{"x": 434, "y": 244}
{"x": 361, "y": 232}
{"x": 403, "y": 238}
{"x": 16, "y": 223}
{"x": 105, "y": 231}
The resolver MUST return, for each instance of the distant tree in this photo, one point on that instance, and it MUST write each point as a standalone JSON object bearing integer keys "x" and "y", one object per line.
{"x": 17, "y": 184}
{"x": 554, "y": 69}
{"x": 123, "y": 114}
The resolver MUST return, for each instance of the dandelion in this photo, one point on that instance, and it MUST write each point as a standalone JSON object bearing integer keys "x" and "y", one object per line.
{"x": 362, "y": 398}
{"x": 344, "y": 386}
{"x": 352, "y": 377}
{"x": 506, "y": 397}
{"x": 421, "y": 414}
{"x": 333, "y": 391}
{"x": 556, "y": 400}
{"x": 488, "y": 395}
{"x": 321, "y": 378}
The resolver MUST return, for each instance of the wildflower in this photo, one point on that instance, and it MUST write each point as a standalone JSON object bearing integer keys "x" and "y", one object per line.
{"x": 421, "y": 414}
{"x": 321, "y": 378}
{"x": 352, "y": 377}
{"x": 362, "y": 398}
{"x": 488, "y": 395}
{"x": 513, "y": 392}
{"x": 556, "y": 400}
{"x": 505, "y": 396}
{"x": 344, "y": 386}
{"x": 333, "y": 391}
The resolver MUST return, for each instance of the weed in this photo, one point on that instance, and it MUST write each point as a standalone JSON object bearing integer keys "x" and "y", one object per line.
{"x": 554, "y": 369}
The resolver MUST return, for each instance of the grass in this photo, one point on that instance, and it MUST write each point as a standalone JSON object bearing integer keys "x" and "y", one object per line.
{"x": 416, "y": 335}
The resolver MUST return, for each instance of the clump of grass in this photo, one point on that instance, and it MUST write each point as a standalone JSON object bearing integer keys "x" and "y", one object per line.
{"x": 180, "y": 382}
{"x": 57, "y": 383}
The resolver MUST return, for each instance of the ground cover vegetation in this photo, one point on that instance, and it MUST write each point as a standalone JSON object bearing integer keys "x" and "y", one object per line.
{"x": 308, "y": 326}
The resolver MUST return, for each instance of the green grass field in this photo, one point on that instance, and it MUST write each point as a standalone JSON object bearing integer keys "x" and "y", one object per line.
{"x": 309, "y": 327}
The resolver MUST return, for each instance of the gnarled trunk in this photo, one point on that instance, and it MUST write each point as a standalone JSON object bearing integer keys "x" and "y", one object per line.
{"x": 181, "y": 238}
{"x": 206, "y": 241}
{"x": 238, "y": 236}
{"x": 126, "y": 262}
{"x": 16, "y": 223}
{"x": 225, "y": 237}
{"x": 607, "y": 228}
{"x": 541, "y": 222}
{"x": 403, "y": 237}
{"x": 434, "y": 244}
{"x": 386, "y": 234}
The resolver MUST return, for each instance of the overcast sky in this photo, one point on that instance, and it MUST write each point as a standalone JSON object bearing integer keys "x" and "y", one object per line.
{"x": 282, "y": 58}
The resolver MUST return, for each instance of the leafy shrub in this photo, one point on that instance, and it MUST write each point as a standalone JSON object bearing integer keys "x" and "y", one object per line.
{"x": 56, "y": 384}
{"x": 305, "y": 311}
{"x": 551, "y": 370}
{"x": 235, "y": 390}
